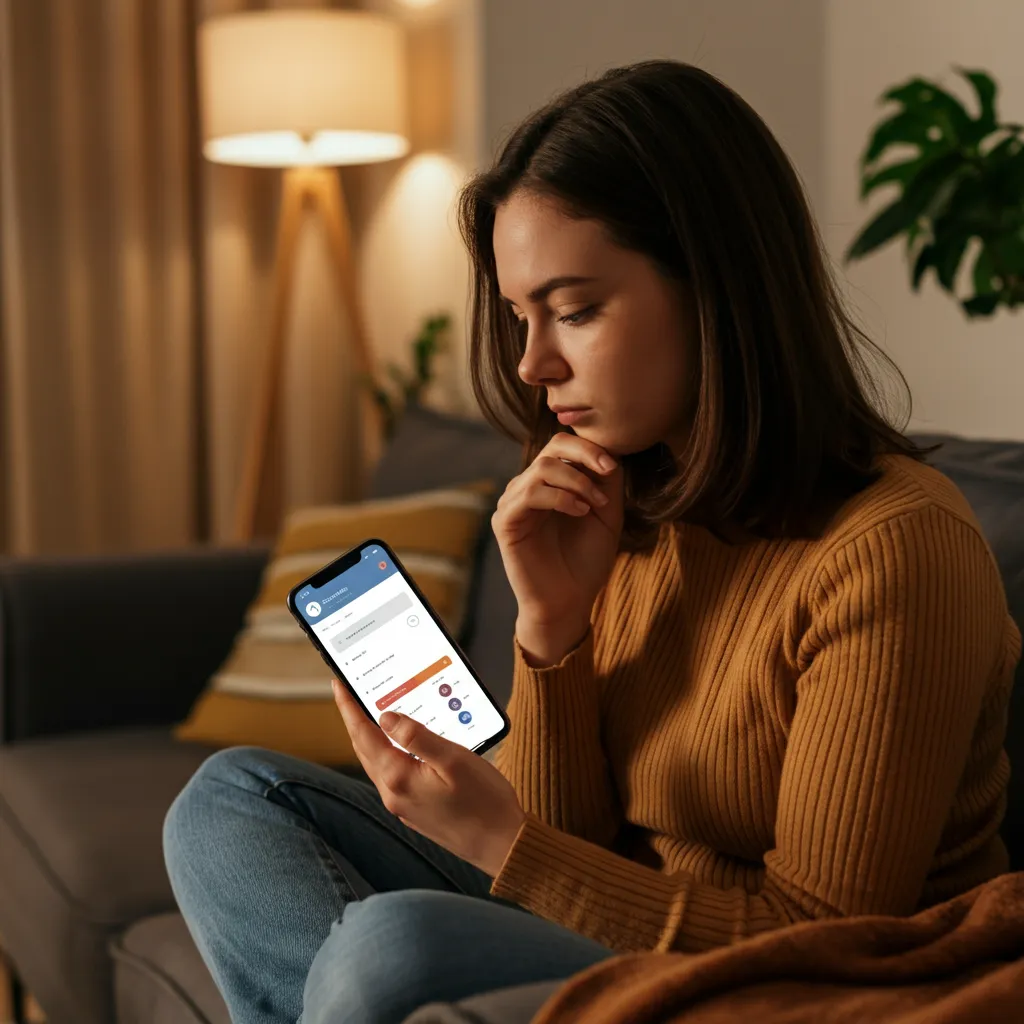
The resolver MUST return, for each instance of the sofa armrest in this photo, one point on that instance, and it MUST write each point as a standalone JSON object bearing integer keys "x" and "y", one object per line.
{"x": 107, "y": 642}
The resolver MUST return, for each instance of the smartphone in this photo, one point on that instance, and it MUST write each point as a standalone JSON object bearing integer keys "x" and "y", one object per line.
{"x": 378, "y": 634}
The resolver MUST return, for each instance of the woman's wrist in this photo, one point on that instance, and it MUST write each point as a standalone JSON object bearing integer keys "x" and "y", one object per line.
{"x": 504, "y": 841}
{"x": 546, "y": 643}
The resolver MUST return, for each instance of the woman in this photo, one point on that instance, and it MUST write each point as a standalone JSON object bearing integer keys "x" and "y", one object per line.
{"x": 763, "y": 652}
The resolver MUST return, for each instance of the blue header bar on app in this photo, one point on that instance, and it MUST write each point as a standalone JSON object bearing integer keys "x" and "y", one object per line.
{"x": 316, "y": 603}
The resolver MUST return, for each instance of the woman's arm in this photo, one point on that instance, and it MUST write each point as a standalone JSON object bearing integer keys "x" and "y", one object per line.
{"x": 908, "y": 630}
{"x": 553, "y": 755}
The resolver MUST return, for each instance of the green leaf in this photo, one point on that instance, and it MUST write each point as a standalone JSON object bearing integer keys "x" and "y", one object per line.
{"x": 930, "y": 190}
{"x": 948, "y": 255}
{"x": 925, "y": 259}
{"x": 1004, "y": 175}
{"x": 907, "y": 127}
{"x": 1007, "y": 252}
{"x": 985, "y": 90}
{"x": 933, "y": 103}
{"x": 981, "y": 305}
{"x": 927, "y": 195}
{"x": 984, "y": 273}
{"x": 896, "y": 217}
{"x": 899, "y": 172}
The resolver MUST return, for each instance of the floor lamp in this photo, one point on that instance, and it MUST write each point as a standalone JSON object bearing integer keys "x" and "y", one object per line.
{"x": 306, "y": 91}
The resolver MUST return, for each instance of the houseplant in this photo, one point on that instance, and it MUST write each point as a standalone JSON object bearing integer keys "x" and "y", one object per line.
{"x": 960, "y": 181}
{"x": 405, "y": 388}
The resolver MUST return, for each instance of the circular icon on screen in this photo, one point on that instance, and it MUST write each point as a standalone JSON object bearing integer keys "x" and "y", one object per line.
{"x": 465, "y": 717}
{"x": 413, "y": 620}
{"x": 312, "y": 609}
{"x": 455, "y": 703}
{"x": 444, "y": 689}
{"x": 382, "y": 566}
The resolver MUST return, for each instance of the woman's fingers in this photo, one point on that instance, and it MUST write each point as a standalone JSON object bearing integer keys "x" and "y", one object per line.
{"x": 531, "y": 488}
{"x": 367, "y": 739}
{"x": 535, "y": 495}
{"x": 579, "y": 450}
{"x": 556, "y": 473}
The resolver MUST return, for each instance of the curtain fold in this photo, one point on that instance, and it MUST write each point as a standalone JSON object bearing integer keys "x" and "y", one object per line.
{"x": 98, "y": 294}
{"x": 134, "y": 293}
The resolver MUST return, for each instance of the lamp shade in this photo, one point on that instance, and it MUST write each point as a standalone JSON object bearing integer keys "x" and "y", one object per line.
{"x": 289, "y": 88}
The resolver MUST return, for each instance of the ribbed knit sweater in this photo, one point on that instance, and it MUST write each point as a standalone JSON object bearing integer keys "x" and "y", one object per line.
{"x": 759, "y": 733}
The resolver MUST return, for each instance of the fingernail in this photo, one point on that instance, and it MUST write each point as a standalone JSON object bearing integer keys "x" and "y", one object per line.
{"x": 388, "y": 721}
{"x": 606, "y": 462}
{"x": 600, "y": 498}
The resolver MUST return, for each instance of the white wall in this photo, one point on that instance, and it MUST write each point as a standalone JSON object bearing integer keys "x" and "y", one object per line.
{"x": 965, "y": 376}
{"x": 771, "y": 53}
{"x": 411, "y": 258}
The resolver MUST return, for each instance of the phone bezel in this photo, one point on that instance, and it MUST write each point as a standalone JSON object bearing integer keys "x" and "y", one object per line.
{"x": 346, "y": 561}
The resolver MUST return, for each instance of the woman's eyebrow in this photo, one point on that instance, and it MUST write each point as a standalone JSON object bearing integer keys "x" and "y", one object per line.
{"x": 542, "y": 291}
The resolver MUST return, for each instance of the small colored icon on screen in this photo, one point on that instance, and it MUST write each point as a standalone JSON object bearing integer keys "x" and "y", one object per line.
{"x": 312, "y": 609}
{"x": 382, "y": 565}
{"x": 445, "y": 690}
{"x": 465, "y": 717}
{"x": 455, "y": 703}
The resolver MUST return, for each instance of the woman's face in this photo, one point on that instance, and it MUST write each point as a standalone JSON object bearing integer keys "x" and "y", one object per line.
{"x": 606, "y": 332}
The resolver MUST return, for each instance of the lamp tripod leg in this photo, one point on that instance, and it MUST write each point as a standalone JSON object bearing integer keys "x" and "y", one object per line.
{"x": 260, "y": 499}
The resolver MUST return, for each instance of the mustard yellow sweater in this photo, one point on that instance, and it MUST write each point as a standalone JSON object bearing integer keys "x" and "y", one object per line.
{"x": 758, "y": 734}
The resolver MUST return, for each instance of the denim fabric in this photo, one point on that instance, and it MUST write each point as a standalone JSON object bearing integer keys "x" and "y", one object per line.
{"x": 265, "y": 854}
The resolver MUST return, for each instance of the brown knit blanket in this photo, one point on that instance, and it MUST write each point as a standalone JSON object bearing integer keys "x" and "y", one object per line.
{"x": 958, "y": 961}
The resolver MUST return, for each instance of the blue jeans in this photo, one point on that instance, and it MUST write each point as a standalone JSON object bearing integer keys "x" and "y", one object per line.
{"x": 310, "y": 902}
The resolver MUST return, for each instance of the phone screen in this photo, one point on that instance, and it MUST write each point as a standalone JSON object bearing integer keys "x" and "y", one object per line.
{"x": 383, "y": 640}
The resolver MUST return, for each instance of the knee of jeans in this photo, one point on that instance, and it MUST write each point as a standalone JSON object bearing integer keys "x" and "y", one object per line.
{"x": 186, "y": 827}
{"x": 379, "y": 942}
{"x": 410, "y": 913}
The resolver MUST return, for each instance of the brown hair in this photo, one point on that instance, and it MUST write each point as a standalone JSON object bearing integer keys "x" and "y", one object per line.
{"x": 678, "y": 167}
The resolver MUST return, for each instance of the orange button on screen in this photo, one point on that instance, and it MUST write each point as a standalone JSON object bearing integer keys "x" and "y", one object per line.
{"x": 411, "y": 684}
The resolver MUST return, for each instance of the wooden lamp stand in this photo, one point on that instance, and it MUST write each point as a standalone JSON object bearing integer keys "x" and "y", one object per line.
{"x": 260, "y": 500}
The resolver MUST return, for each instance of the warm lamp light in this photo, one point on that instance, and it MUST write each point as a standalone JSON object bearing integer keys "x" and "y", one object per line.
{"x": 299, "y": 88}
{"x": 306, "y": 91}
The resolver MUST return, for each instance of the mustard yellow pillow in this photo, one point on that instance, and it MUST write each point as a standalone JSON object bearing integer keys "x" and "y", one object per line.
{"x": 274, "y": 689}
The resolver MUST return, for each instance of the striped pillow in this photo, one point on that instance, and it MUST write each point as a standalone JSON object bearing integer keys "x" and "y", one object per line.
{"x": 274, "y": 690}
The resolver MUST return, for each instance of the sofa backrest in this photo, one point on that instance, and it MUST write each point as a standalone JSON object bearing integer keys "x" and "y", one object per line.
{"x": 991, "y": 476}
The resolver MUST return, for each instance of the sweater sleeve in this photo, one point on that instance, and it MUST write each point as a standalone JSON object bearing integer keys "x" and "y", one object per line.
{"x": 553, "y": 755}
{"x": 906, "y": 626}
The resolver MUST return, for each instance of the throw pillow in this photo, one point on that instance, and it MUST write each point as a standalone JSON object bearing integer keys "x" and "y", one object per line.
{"x": 274, "y": 689}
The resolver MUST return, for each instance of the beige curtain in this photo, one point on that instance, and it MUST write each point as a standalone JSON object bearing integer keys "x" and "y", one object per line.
{"x": 98, "y": 298}
{"x": 135, "y": 291}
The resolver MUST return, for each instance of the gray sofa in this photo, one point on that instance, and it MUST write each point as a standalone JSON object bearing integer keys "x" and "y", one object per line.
{"x": 98, "y": 657}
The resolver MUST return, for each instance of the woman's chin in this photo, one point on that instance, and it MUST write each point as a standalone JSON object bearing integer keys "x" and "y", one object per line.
{"x": 613, "y": 442}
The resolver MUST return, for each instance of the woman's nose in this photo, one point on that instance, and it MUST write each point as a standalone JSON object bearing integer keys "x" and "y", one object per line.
{"x": 542, "y": 363}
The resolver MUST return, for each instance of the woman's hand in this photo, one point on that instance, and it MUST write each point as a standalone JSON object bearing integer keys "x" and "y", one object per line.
{"x": 451, "y": 795}
{"x": 558, "y": 528}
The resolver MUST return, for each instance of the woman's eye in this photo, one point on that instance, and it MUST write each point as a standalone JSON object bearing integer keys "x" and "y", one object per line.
{"x": 578, "y": 317}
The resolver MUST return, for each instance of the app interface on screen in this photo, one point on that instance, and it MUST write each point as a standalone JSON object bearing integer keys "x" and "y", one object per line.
{"x": 389, "y": 648}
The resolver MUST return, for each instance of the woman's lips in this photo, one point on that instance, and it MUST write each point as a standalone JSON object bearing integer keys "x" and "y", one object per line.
{"x": 567, "y": 417}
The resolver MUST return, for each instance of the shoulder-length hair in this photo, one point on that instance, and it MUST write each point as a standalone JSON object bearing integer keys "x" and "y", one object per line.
{"x": 679, "y": 168}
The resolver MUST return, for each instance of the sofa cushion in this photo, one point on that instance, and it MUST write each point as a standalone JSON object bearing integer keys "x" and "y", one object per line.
{"x": 516, "y": 1005}
{"x": 160, "y": 978}
{"x": 434, "y": 449}
{"x": 273, "y": 690}
{"x": 81, "y": 857}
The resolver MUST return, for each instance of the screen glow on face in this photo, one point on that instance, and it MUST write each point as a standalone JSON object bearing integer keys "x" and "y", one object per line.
{"x": 389, "y": 649}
